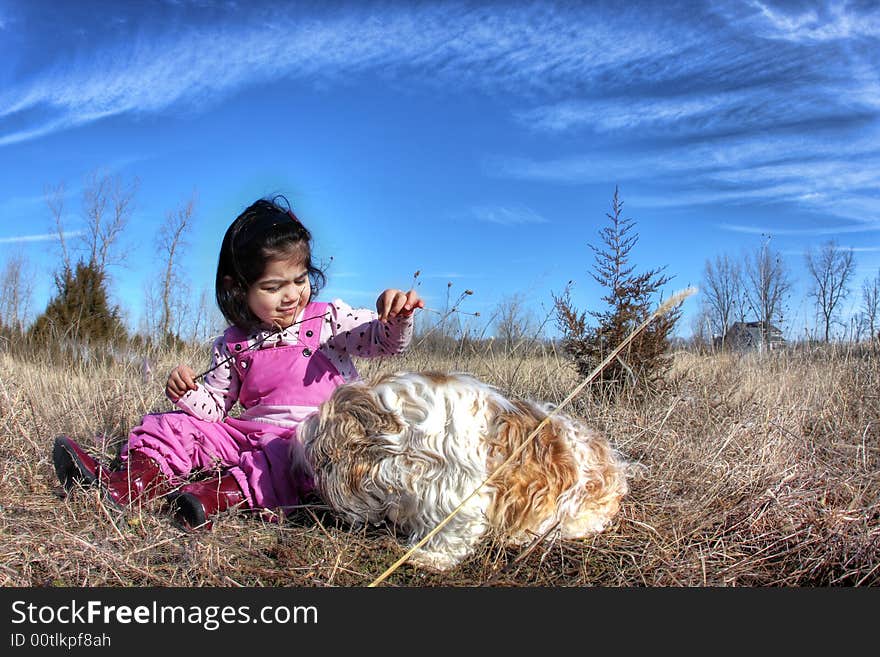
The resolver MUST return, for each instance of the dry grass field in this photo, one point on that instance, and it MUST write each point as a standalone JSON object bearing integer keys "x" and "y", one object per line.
{"x": 759, "y": 471}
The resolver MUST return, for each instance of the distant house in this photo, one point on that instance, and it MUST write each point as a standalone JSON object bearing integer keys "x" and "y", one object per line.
{"x": 745, "y": 336}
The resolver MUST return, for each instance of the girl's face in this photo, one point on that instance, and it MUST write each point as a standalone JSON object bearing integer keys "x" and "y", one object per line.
{"x": 278, "y": 296}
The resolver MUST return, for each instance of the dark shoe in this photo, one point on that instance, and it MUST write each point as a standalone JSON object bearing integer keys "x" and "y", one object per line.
{"x": 73, "y": 465}
{"x": 195, "y": 503}
{"x": 139, "y": 480}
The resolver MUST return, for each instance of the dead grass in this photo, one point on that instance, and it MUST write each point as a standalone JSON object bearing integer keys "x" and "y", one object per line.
{"x": 759, "y": 471}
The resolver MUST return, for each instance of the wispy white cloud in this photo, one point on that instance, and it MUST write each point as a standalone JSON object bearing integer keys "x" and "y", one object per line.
{"x": 773, "y": 122}
{"x": 807, "y": 232}
{"x": 527, "y": 48}
{"x": 746, "y": 83}
{"x": 575, "y": 169}
{"x": 705, "y": 114}
{"x": 835, "y": 173}
{"x": 46, "y": 237}
{"x": 831, "y": 20}
{"x": 506, "y": 215}
{"x": 48, "y": 127}
{"x": 837, "y": 247}
{"x": 840, "y": 178}
{"x": 623, "y": 114}
{"x": 721, "y": 98}
{"x": 721, "y": 157}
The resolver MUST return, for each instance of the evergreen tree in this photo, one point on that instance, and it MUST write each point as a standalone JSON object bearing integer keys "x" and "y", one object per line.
{"x": 630, "y": 299}
{"x": 80, "y": 310}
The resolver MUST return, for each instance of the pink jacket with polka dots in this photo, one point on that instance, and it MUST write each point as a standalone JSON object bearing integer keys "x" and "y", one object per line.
{"x": 346, "y": 333}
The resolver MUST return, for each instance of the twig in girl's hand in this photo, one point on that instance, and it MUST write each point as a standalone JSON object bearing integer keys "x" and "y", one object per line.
{"x": 444, "y": 315}
{"x": 440, "y": 312}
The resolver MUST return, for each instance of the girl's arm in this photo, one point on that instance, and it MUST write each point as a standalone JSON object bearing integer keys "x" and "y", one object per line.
{"x": 212, "y": 399}
{"x": 360, "y": 332}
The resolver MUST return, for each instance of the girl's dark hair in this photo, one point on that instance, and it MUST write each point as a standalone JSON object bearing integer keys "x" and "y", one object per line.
{"x": 264, "y": 231}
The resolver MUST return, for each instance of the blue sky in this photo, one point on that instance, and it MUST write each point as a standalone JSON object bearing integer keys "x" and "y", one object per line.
{"x": 478, "y": 143}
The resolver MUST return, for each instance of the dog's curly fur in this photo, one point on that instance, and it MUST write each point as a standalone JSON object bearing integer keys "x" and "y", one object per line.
{"x": 409, "y": 448}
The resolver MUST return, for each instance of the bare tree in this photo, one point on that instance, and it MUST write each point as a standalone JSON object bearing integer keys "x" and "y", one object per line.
{"x": 82, "y": 304}
{"x": 701, "y": 328}
{"x": 871, "y": 304}
{"x": 207, "y": 321}
{"x": 724, "y": 290}
{"x": 149, "y": 318}
{"x": 766, "y": 285}
{"x": 16, "y": 291}
{"x": 514, "y": 324}
{"x": 170, "y": 244}
{"x": 108, "y": 203}
{"x": 831, "y": 269}
{"x": 55, "y": 200}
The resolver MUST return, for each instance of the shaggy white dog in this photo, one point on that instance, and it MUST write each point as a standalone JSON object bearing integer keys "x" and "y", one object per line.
{"x": 410, "y": 448}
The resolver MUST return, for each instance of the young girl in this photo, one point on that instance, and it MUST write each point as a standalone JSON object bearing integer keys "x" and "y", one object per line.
{"x": 283, "y": 355}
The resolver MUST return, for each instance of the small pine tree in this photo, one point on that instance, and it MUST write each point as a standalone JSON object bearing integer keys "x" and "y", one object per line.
{"x": 80, "y": 310}
{"x": 629, "y": 299}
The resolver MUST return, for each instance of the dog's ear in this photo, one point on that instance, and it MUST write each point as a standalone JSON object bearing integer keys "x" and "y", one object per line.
{"x": 352, "y": 420}
{"x": 360, "y": 410}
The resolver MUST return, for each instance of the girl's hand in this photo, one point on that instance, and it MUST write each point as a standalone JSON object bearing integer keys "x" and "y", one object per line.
{"x": 397, "y": 303}
{"x": 180, "y": 381}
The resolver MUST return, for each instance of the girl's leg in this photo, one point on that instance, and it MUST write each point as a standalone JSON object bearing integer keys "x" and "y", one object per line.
{"x": 163, "y": 450}
{"x": 195, "y": 503}
{"x": 181, "y": 444}
{"x": 262, "y": 479}
{"x": 140, "y": 479}
{"x": 264, "y": 473}
{"x": 73, "y": 465}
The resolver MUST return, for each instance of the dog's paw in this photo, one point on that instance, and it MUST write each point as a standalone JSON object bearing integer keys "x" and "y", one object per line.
{"x": 436, "y": 561}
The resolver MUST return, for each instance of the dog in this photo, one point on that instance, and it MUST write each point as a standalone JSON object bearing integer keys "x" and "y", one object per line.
{"x": 410, "y": 448}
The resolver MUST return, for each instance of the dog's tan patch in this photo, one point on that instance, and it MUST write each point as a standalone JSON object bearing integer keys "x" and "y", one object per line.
{"x": 527, "y": 488}
{"x": 438, "y": 378}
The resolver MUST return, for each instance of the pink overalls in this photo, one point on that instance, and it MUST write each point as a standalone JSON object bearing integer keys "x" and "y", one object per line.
{"x": 255, "y": 452}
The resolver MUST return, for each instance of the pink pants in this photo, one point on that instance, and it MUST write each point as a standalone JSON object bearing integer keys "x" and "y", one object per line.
{"x": 255, "y": 453}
